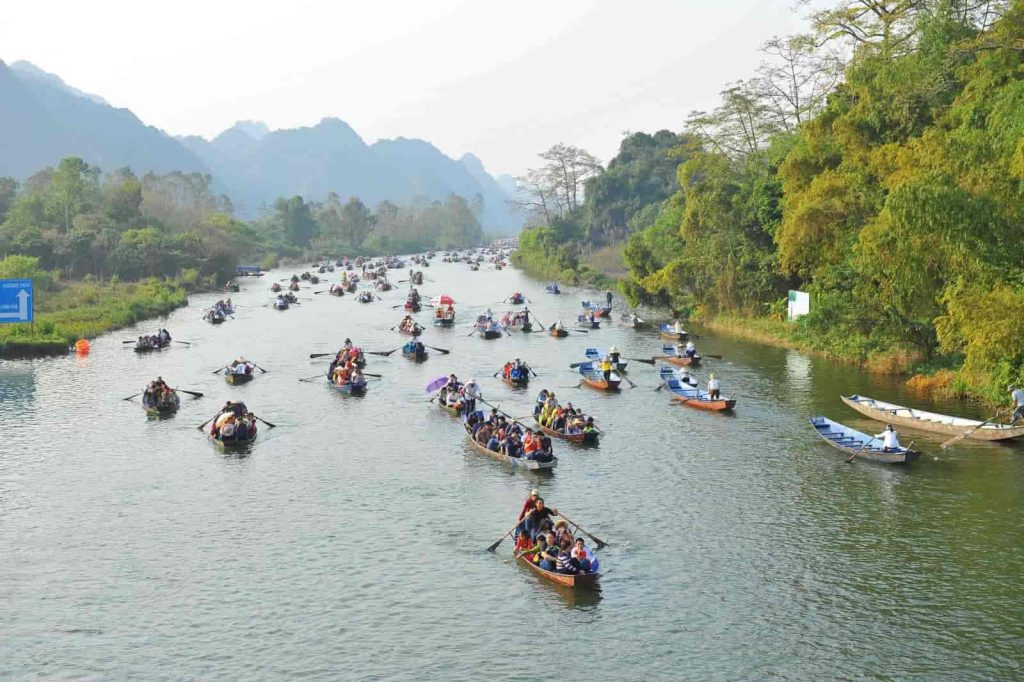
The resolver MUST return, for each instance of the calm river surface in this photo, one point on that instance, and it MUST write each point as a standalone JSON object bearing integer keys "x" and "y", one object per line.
{"x": 349, "y": 544}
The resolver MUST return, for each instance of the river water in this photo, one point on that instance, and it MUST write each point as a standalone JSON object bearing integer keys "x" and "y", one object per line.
{"x": 350, "y": 542}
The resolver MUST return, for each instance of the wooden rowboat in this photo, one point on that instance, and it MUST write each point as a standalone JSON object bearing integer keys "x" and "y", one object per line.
{"x": 236, "y": 379}
{"x": 415, "y": 356}
{"x": 349, "y": 388}
{"x": 594, "y": 378}
{"x": 930, "y": 421}
{"x": 514, "y": 462}
{"x": 444, "y": 321}
{"x": 521, "y": 382}
{"x": 233, "y": 444}
{"x": 595, "y": 356}
{"x": 163, "y": 410}
{"x": 864, "y": 446}
{"x": 489, "y": 334}
{"x": 577, "y": 580}
{"x": 682, "y": 360}
{"x": 690, "y": 396}
{"x": 414, "y": 332}
{"x": 578, "y": 438}
{"x": 667, "y": 331}
{"x": 559, "y": 333}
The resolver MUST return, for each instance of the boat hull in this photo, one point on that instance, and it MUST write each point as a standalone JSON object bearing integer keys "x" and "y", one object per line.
{"x": 579, "y": 580}
{"x": 559, "y": 333}
{"x": 348, "y": 389}
{"x": 578, "y": 438}
{"x": 514, "y": 462}
{"x": 416, "y": 357}
{"x": 673, "y": 336}
{"x": 682, "y": 361}
{"x": 601, "y": 384}
{"x": 236, "y": 379}
{"x": 517, "y": 383}
{"x": 706, "y": 405}
{"x": 929, "y": 421}
{"x": 852, "y": 442}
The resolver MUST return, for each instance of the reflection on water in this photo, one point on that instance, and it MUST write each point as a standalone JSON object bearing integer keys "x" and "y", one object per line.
{"x": 352, "y": 537}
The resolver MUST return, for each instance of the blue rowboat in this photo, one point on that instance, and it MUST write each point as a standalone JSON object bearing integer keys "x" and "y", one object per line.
{"x": 691, "y": 396}
{"x": 349, "y": 388}
{"x": 864, "y": 446}
{"x": 594, "y": 377}
{"x": 594, "y": 356}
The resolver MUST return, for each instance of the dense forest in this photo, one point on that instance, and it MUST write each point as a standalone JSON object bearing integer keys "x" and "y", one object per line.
{"x": 877, "y": 163}
{"x": 80, "y": 222}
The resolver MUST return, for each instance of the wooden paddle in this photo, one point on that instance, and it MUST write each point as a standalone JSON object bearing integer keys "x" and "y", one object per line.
{"x": 442, "y": 351}
{"x": 184, "y": 342}
{"x": 627, "y": 379}
{"x": 966, "y": 433}
{"x": 131, "y": 396}
{"x": 194, "y": 394}
{"x": 382, "y": 353}
{"x": 854, "y": 455}
{"x": 315, "y": 376}
{"x": 646, "y": 362}
{"x": 259, "y": 368}
{"x": 200, "y": 427}
{"x": 273, "y": 426}
{"x": 218, "y": 371}
{"x": 320, "y": 355}
{"x": 600, "y": 543}
{"x": 502, "y": 538}
{"x": 375, "y": 376}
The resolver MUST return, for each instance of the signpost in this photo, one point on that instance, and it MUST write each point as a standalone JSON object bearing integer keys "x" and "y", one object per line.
{"x": 16, "y": 296}
{"x": 799, "y": 304}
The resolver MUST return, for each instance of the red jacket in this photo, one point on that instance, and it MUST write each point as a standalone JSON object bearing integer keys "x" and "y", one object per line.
{"x": 527, "y": 506}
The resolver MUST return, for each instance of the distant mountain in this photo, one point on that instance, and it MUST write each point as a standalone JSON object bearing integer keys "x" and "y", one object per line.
{"x": 43, "y": 119}
{"x": 332, "y": 157}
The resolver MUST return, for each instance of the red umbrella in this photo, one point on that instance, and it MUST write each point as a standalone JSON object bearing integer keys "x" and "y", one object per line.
{"x": 444, "y": 299}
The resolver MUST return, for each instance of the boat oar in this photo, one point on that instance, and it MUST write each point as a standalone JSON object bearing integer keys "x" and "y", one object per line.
{"x": 381, "y": 352}
{"x": 965, "y": 434}
{"x": 218, "y": 371}
{"x": 502, "y": 538}
{"x": 375, "y": 376}
{"x": 475, "y": 330}
{"x": 259, "y": 368}
{"x": 600, "y": 543}
{"x": 130, "y": 341}
{"x": 854, "y": 455}
{"x": 273, "y": 426}
{"x": 442, "y": 351}
{"x": 320, "y": 355}
{"x": 315, "y": 376}
{"x": 131, "y": 396}
{"x": 184, "y": 342}
{"x": 194, "y": 394}
{"x": 646, "y": 362}
{"x": 709, "y": 355}
{"x": 627, "y": 380}
{"x": 200, "y": 427}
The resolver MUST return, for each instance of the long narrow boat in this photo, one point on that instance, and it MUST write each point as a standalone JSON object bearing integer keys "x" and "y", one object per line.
{"x": 233, "y": 443}
{"x": 159, "y": 345}
{"x": 667, "y": 331}
{"x": 237, "y": 379}
{"x": 690, "y": 396}
{"x": 581, "y": 438}
{"x": 416, "y": 355}
{"x": 488, "y": 334}
{"x": 281, "y": 304}
{"x": 414, "y": 332}
{"x": 450, "y": 409}
{"x": 599, "y": 310}
{"x": 674, "y": 358}
{"x": 577, "y": 580}
{"x": 930, "y": 421}
{"x": 864, "y": 446}
{"x": 594, "y": 356}
{"x": 349, "y": 388}
{"x": 594, "y": 377}
{"x": 164, "y": 409}
{"x": 585, "y": 322}
{"x": 522, "y": 382}
{"x": 514, "y": 462}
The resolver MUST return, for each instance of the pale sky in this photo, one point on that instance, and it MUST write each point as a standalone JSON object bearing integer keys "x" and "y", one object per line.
{"x": 504, "y": 80}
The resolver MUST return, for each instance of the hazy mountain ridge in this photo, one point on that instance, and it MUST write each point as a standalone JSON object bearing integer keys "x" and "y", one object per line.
{"x": 43, "y": 119}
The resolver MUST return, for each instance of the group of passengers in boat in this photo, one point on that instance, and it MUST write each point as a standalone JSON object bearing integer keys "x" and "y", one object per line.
{"x": 152, "y": 341}
{"x": 517, "y": 370}
{"x": 487, "y": 324}
{"x": 159, "y": 395}
{"x": 444, "y": 312}
{"x": 234, "y": 424}
{"x": 516, "y": 319}
{"x": 548, "y": 541}
{"x": 409, "y": 326}
{"x": 241, "y": 366}
{"x": 459, "y": 396}
{"x": 498, "y": 434}
{"x": 562, "y": 418}
{"x": 346, "y": 367}
{"x": 415, "y": 347}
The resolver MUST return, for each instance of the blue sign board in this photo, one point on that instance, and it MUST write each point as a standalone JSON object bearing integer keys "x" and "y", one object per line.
{"x": 15, "y": 300}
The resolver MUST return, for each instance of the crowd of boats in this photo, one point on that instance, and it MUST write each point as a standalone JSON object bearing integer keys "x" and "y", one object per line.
{"x": 543, "y": 541}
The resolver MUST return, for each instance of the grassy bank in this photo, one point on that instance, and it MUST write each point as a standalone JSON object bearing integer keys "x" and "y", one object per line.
{"x": 73, "y": 310}
{"x": 581, "y": 271}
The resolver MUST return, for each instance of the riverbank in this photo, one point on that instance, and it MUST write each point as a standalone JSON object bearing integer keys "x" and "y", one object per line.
{"x": 75, "y": 310}
{"x": 930, "y": 382}
{"x": 576, "y": 273}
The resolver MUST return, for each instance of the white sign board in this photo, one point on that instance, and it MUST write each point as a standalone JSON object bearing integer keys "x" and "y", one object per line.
{"x": 799, "y": 304}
